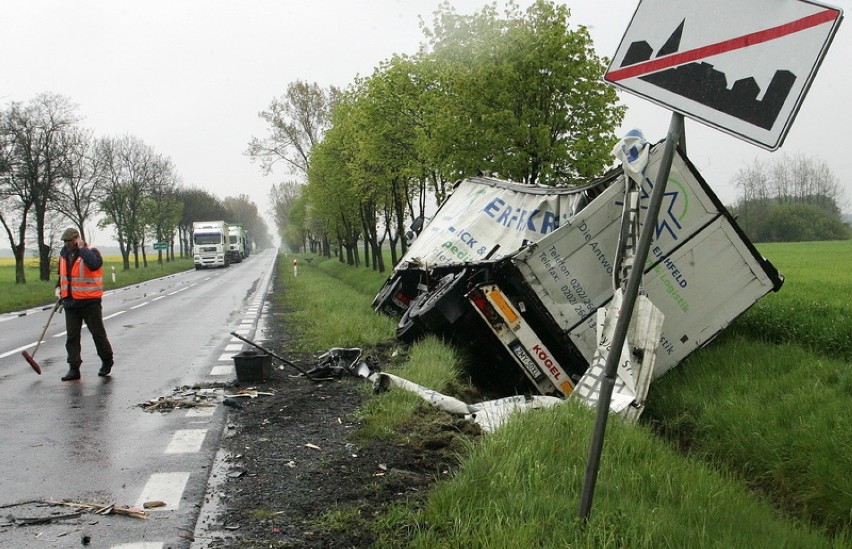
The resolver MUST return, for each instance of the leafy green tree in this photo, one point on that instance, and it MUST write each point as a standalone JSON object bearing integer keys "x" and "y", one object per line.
{"x": 803, "y": 223}
{"x": 520, "y": 96}
{"x": 163, "y": 209}
{"x": 244, "y": 211}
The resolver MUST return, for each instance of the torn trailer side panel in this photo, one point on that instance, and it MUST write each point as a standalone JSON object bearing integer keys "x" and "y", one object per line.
{"x": 483, "y": 218}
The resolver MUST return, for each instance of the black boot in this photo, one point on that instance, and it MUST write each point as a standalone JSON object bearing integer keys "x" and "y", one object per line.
{"x": 106, "y": 368}
{"x": 73, "y": 373}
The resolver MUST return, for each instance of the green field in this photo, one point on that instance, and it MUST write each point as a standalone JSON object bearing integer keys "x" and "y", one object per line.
{"x": 747, "y": 444}
{"x": 15, "y": 297}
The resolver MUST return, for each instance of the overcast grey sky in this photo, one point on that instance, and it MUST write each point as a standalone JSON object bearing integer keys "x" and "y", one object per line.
{"x": 188, "y": 77}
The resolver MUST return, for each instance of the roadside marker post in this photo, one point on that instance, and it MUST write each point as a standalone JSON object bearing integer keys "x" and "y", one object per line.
{"x": 626, "y": 313}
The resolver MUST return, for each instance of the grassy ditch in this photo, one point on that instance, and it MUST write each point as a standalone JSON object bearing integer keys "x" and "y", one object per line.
{"x": 15, "y": 297}
{"x": 746, "y": 445}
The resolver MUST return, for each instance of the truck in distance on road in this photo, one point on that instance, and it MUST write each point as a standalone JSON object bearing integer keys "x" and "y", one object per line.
{"x": 236, "y": 243}
{"x": 209, "y": 244}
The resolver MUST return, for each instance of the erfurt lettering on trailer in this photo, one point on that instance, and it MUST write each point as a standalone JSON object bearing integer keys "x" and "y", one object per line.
{"x": 545, "y": 359}
{"x": 520, "y": 219}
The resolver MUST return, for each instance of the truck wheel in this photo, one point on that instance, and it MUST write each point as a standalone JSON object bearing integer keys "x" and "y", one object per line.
{"x": 440, "y": 308}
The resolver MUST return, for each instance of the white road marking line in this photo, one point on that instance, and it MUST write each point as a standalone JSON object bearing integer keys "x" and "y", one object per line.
{"x": 201, "y": 411}
{"x": 140, "y": 545}
{"x": 18, "y": 350}
{"x": 113, "y": 315}
{"x": 140, "y": 305}
{"x": 165, "y": 487}
{"x": 234, "y": 347}
{"x": 186, "y": 441}
{"x": 158, "y": 298}
{"x": 223, "y": 371}
{"x": 226, "y": 357}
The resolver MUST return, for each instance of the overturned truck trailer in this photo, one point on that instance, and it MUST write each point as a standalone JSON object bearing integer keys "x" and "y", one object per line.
{"x": 528, "y": 297}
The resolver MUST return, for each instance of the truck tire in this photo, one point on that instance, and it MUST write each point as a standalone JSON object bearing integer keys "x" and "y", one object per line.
{"x": 438, "y": 309}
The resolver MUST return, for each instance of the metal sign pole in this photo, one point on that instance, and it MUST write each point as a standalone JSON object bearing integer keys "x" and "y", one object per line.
{"x": 623, "y": 323}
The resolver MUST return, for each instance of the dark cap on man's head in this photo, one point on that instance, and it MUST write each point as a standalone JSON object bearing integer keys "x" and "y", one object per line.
{"x": 70, "y": 234}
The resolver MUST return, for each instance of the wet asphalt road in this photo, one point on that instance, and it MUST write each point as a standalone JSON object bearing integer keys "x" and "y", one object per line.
{"x": 90, "y": 441}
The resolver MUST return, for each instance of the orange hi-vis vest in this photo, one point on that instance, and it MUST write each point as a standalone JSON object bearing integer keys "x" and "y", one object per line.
{"x": 83, "y": 283}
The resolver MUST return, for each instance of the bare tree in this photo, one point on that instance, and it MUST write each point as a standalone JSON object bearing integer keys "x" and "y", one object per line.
{"x": 128, "y": 171}
{"x": 297, "y": 121}
{"x": 34, "y": 151}
{"x": 799, "y": 179}
{"x": 81, "y": 185}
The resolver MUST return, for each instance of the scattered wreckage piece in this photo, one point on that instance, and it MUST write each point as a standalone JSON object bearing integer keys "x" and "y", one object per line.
{"x": 34, "y": 517}
{"x": 526, "y": 292}
{"x": 340, "y": 361}
{"x": 280, "y": 359}
{"x": 489, "y": 415}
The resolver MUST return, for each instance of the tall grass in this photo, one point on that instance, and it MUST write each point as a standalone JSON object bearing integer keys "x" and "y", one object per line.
{"x": 520, "y": 487}
{"x": 813, "y": 308}
{"x": 331, "y": 304}
{"x": 776, "y": 415}
{"x": 15, "y": 297}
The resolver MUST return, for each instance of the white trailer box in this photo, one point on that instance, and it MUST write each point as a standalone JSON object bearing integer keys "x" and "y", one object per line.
{"x": 702, "y": 272}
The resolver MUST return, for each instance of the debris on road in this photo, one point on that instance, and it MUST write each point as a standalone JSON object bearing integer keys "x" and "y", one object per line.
{"x": 30, "y": 513}
{"x": 183, "y": 397}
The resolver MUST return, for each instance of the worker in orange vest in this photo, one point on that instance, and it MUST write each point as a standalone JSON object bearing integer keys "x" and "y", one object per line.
{"x": 81, "y": 287}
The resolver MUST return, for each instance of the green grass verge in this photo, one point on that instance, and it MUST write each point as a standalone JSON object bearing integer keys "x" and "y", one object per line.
{"x": 755, "y": 451}
{"x": 15, "y": 297}
{"x": 813, "y": 308}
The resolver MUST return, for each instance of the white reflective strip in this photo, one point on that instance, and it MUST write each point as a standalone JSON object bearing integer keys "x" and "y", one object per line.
{"x": 186, "y": 441}
{"x": 165, "y": 487}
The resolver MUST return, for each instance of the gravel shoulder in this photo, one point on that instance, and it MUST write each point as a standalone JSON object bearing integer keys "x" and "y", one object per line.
{"x": 294, "y": 475}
